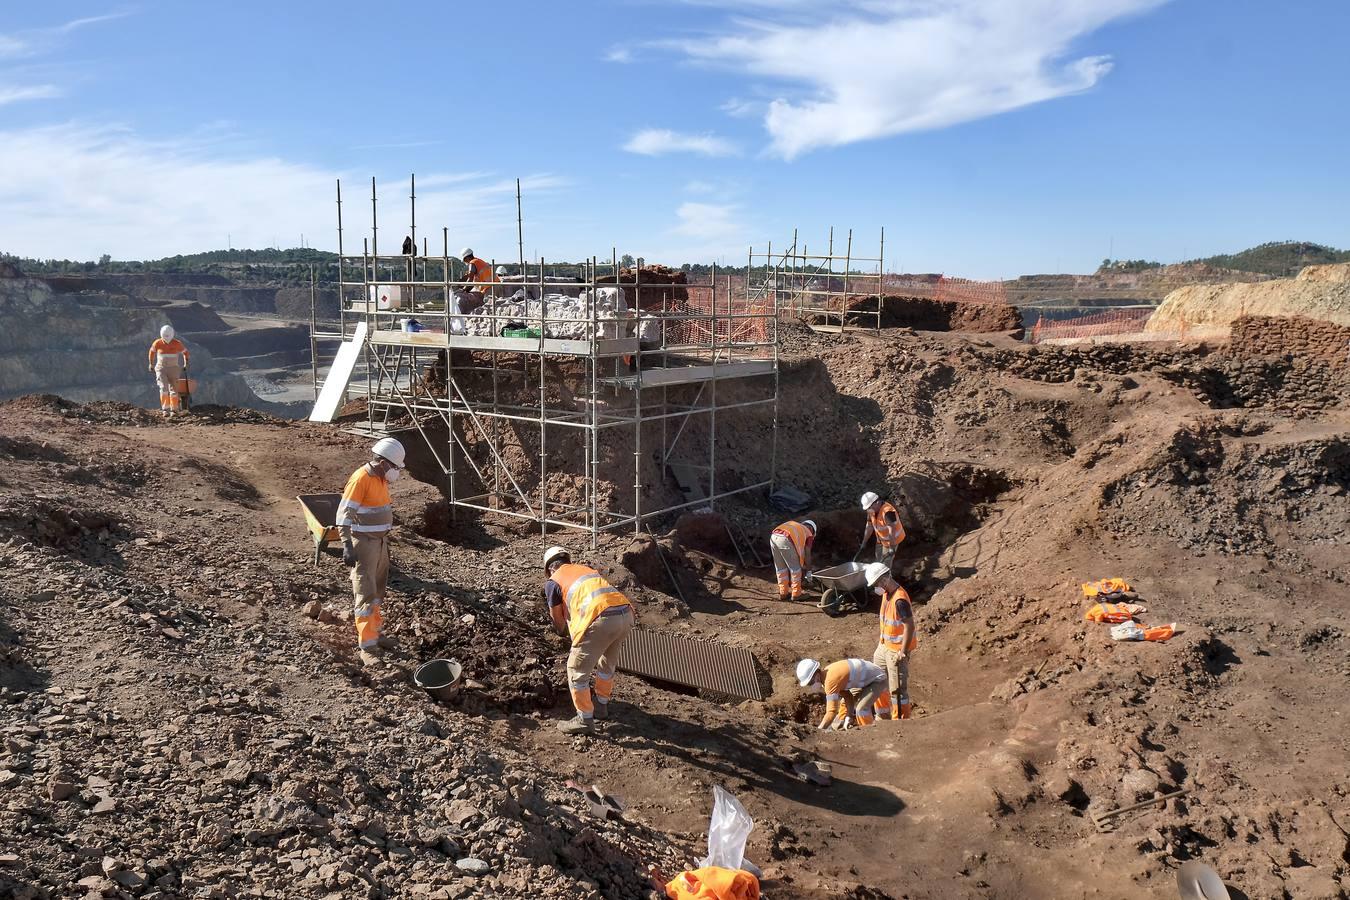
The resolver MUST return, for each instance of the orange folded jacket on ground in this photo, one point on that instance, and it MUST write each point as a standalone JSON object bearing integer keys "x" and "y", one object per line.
{"x": 714, "y": 883}
{"x": 1113, "y": 612}
{"x": 1107, "y": 587}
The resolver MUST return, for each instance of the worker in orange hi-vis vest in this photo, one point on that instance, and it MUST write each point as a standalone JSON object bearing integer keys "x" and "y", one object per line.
{"x": 883, "y": 523}
{"x": 790, "y": 547}
{"x": 480, "y": 273}
{"x": 898, "y": 635}
{"x": 365, "y": 518}
{"x": 598, "y": 617}
{"x": 168, "y": 359}
{"x": 840, "y": 680}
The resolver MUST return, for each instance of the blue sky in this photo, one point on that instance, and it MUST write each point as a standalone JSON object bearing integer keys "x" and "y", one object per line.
{"x": 990, "y": 137}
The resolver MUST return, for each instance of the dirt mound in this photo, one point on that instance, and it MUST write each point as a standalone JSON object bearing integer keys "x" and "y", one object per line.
{"x": 1318, "y": 292}
{"x": 87, "y": 533}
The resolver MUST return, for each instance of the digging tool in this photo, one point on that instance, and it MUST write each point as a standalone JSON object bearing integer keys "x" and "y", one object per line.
{"x": 1101, "y": 819}
{"x": 1197, "y": 881}
{"x": 665, "y": 565}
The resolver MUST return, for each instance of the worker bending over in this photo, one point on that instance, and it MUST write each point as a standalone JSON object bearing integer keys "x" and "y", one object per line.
{"x": 840, "y": 680}
{"x": 883, "y": 522}
{"x": 898, "y": 635}
{"x": 480, "y": 273}
{"x": 365, "y": 516}
{"x": 790, "y": 546}
{"x": 598, "y": 618}
{"x": 168, "y": 360}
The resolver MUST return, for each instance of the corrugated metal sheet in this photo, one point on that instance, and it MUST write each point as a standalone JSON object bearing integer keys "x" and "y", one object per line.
{"x": 705, "y": 665}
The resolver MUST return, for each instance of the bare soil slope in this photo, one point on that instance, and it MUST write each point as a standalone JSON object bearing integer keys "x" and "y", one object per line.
{"x": 183, "y": 712}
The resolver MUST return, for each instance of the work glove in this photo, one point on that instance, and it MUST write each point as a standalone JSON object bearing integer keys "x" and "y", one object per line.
{"x": 348, "y": 555}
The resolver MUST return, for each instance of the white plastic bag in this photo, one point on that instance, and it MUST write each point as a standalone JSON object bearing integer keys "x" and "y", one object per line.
{"x": 727, "y": 832}
{"x": 1127, "y": 631}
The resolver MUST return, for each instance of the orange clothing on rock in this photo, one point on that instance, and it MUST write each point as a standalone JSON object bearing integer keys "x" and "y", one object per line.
{"x": 714, "y": 883}
{"x": 896, "y": 612}
{"x": 1115, "y": 613}
{"x": 1107, "y": 587}
{"x": 586, "y": 595}
{"x": 171, "y": 353}
{"x": 885, "y": 524}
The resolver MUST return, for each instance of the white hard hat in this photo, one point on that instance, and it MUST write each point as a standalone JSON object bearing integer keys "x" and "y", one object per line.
{"x": 166, "y": 332}
{"x": 467, "y": 251}
{"x": 390, "y": 449}
{"x": 875, "y": 572}
{"x": 868, "y": 499}
{"x": 501, "y": 271}
{"x": 553, "y": 553}
{"x": 806, "y": 670}
{"x": 810, "y": 523}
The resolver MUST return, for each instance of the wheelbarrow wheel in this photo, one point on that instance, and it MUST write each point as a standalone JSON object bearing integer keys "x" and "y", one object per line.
{"x": 831, "y": 601}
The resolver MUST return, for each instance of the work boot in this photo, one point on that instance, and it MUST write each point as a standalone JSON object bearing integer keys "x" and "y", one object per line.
{"x": 576, "y": 725}
{"x": 387, "y": 642}
{"x": 784, "y": 598}
{"x": 371, "y": 658}
{"x": 601, "y": 711}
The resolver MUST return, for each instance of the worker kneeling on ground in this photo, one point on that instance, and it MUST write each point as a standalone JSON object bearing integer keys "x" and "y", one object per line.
{"x": 883, "y": 523}
{"x": 790, "y": 546}
{"x": 168, "y": 360}
{"x": 598, "y": 618}
{"x": 365, "y": 517}
{"x": 840, "y": 680}
{"x": 898, "y": 635}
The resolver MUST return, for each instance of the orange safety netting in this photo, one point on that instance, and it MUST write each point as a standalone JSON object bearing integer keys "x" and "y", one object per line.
{"x": 1092, "y": 325}
{"x": 706, "y": 320}
{"x": 962, "y": 290}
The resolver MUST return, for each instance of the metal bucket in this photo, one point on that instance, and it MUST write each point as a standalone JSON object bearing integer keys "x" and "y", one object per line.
{"x": 439, "y": 678}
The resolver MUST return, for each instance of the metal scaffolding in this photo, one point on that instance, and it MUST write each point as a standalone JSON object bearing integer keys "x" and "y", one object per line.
{"x": 534, "y": 404}
{"x": 830, "y": 292}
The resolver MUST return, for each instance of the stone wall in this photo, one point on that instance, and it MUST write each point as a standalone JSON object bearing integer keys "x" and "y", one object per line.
{"x": 1297, "y": 336}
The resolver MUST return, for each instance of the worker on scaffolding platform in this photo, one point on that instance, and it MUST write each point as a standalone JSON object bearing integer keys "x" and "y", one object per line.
{"x": 168, "y": 362}
{"x": 479, "y": 273}
{"x": 790, "y": 547}
{"x": 598, "y": 618}
{"x": 898, "y": 635}
{"x": 365, "y": 517}
{"x": 840, "y": 680}
{"x": 883, "y": 523}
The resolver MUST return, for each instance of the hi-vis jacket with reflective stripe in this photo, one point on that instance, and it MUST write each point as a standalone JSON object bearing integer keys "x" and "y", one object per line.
{"x": 848, "y": 675}
{"x": 168, "y": 353}
{"x": 799, "y": 534}
{"x": 481, "y": 271}
{"x": 586, "y": 595}
{"x": 365, "y": 505}
{"x": 885, "y": 523}
{"x": 895, "y": 610}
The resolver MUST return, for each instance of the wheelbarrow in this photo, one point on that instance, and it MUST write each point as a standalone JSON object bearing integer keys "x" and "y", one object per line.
{"x": 843, "y": 584}
{"x": 321, "y": 518}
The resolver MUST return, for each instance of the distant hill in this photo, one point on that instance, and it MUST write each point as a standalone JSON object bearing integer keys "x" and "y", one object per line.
{"x": 267, "y": 266}
{"x": 1279, "y": 258}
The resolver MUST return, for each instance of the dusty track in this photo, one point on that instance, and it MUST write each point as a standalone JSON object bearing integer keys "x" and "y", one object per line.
{"x": 170, "y": 642}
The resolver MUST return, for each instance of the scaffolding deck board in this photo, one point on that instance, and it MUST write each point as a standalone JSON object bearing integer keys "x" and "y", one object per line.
{"x": 705, "y": 665}
{"x": 674, "y": 375}
{"x": 558, "y": 346}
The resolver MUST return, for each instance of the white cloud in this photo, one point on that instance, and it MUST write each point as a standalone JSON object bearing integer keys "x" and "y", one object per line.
{"x": 618, "y": 55}
{"x": 75, "y": 191}
{"x": 705, "y": 231}
{"x": 873, "y": 68}
{"x": 37, "y": 40}
{"x": 659, "y": 141}
{"x": 15, "y": 93}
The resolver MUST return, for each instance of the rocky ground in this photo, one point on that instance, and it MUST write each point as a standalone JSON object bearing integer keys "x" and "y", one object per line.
{"x": 183, "y": 715}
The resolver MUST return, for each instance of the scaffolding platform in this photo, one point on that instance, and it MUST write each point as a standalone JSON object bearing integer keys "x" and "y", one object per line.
{"x": 578, "y": 428}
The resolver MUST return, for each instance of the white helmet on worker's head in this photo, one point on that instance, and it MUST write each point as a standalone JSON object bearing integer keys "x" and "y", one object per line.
{"x": 806, "y": 670}
{"x": 166, "y": 332}
{"x": 390, "y": 449}
{"x": 868, "y": 499}
{"x": 553, "y": 553}
{"x": 501, "y": 272}
{"x": 875, "y": 572}
{"x": 810, "y": 523}
{"x": 466, "y": 253}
